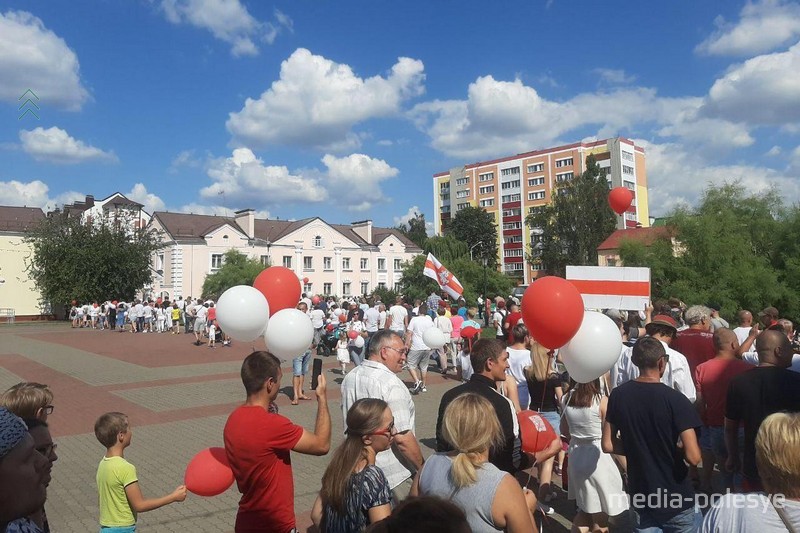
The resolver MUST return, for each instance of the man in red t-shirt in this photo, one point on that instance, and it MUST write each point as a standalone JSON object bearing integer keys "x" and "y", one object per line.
{"x": 512, "y": 319}
{"x": 258, "y": 442}
{"x": 696, "y": 343}
{"x": 712, "y": 379}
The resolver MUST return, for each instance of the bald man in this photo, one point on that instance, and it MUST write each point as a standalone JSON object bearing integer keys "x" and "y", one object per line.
{"x": 745, "y": 318}
{"x": 712, "y": 379}
{"x": 752, "y": 396}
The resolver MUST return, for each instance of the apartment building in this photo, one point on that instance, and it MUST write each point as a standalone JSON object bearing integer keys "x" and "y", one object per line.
{"x": 512, "y": 187}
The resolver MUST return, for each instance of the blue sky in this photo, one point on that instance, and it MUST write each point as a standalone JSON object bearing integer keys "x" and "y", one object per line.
{"x": 344, "y": 110}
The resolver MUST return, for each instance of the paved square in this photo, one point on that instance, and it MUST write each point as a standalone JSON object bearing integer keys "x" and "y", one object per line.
{"x": 178, "y": 397}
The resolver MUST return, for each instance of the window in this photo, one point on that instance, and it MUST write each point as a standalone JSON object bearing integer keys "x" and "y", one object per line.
{"x": 566, "y": 162}
{"x": 536, "y": 209}
{"x": 511, "y": 184}
{"x": 398, "y": 264}
{"x": 512, "y": 225}
{"x": 512, "y": 212}
{"x": 364, "y": 287}
{"x": 265, "y": 260}
{"x": 326, "y": 288}
{"x": 627, "y": 170}
{"x": 488, "y": 176}
{"x": 536, "y": 195}
{"x": 445, "y": 197}
{"x": 512, "y": 239}
{"x": 287, "y": 261}
{"x": 487, "y": 203}
{"x": 462, "y": 181}
{"x": 537, "y": 237}
{"x": 627, "y": 156}
{"x": 537, "y": 266}
{"x": 381, "y": 285}
{"x": 486, "y": 189}
{"x": 629, "y": 185}
{"x": 462, "y": 194}
{"x": 512, "y": 266}
{"x": 611, "y": 261}
{"x": 512, "y": 198}
{"x": 308, "y": 263}
{"x": 509, "y": 171}
{"x": 346, "y": 288}
{"x": 445, "y": 209}
{"x": 216, "y": 261}
{"x": 564, "y": 177}
{"x": 533, "y": 182}
{"x": 444, "y": 185}
{"x": 308, "y": 288}
{"x": 326, "y": 263}
{"x": 381, "y": 264}
{"x": 536, "y": 167}
{"x": 364, "y": 263}
{"x": 318, "y": 241}
{"x": 513, "y": 253}
{"x": 345, "y": 263}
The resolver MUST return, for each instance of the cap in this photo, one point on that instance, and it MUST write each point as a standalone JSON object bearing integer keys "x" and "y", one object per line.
{"x": 769, "y": 311}
{"x": 12, "y": 431}
{"x": 664, "y": 320}
{"x": 715, "y": 306}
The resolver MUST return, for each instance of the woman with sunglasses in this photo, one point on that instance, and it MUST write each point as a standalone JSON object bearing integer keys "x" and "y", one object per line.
{"x": 355, "y": 492}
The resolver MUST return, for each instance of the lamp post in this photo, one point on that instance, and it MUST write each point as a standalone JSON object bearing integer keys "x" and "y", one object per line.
{"x": 485, "y": 296}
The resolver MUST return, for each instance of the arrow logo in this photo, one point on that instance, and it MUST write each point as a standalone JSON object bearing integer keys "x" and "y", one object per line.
{"x": 28, "y": 101}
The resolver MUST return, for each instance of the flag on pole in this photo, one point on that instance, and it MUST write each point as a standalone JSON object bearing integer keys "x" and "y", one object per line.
{"x": 446, "y": 280}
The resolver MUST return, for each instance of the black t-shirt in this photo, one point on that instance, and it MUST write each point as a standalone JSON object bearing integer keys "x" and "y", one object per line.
{"x": 543, "y": 393}
{"x": 753, "y": 396}
{"x": 650, "y": 417}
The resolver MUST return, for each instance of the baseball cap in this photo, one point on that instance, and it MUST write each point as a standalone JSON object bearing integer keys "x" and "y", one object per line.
{"x": 769, "y": 311}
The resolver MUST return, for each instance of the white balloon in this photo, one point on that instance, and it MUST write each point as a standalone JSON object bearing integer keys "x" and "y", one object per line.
{"x": 434, "y": 338}
{"x": 243, "y": 313}
{"x": 594, "y": 349}
{"x": 358, "y": 342}
{"x": 289, "y": 333}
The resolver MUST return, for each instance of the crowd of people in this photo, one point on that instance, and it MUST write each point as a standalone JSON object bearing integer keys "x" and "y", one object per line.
{"x": 694, "y": 428}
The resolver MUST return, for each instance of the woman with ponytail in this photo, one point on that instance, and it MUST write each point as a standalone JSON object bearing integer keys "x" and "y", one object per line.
{"x": 491, "y": 499}
{"x": 355, "y": 492}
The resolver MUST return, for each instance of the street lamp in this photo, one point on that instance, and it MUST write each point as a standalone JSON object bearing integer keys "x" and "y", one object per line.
{"x": 485, "y": 296}
{"x": 472, "y": 248}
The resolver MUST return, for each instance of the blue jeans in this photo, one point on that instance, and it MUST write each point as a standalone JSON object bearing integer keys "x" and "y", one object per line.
{"x": 123, "y": 529}
{"x": 356, "y": 354}
{"x": 687, "y": 521}
{"x": 712, "y": 439}
{"x": 300, "y": 364}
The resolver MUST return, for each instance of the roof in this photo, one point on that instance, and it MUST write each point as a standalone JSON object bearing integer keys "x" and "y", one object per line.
{"x": 380, "y": 234}
{"x": 647, "y": 236}
{"x": 19, "y": 218}
{"x": 183, "y": 225}
{"x": 118, "y": 199}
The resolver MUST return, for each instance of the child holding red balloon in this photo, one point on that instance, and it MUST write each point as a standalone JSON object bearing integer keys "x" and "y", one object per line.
{"x": 117, "y": 483}
{"x": 342, "y": 353}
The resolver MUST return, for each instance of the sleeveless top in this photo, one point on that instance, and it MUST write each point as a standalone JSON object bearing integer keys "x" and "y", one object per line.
{"x": 475, "y": 500}
{"x": 585, "y": 423}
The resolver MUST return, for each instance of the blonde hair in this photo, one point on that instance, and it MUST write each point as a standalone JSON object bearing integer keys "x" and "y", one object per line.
{"x": 777, "y": 457}
{"x": 109, "y": 426}
{"x": 470, "y": 425}
{"x": 26, "y": 399}
{"x": 541, "y": 365}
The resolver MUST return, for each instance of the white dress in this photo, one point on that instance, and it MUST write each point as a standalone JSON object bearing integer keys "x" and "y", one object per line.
{"x": 594, "y": 479}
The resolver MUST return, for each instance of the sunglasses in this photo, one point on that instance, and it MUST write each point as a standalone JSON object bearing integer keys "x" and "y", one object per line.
{"x": 47, "y": 450}
{"x": 390, "y": 431}
{"x": 403, "y": 351}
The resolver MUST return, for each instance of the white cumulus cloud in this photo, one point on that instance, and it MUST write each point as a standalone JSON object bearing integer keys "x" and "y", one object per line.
{"x": 150, "y": 201}
{"x": 356, "y": 179}
{"x": 317, "y": 101}
{"x": 763, "y": 26}
{"x": 34, "y": 194}
{"x": 55, "y": 145}
{"x": 613, "y": 76}
{"x": 33, "y": 57}
{"x": 227, "y": 20}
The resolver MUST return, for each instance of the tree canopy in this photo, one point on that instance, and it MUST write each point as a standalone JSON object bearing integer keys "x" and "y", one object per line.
{"x": 568, "y": 230}
{"x": 415, "y": 229}
{"x": 476, "y": 227}
{"x": 90, "y": 261}
{"x": 738, "y": 249}
{"x": 236, "y": 269}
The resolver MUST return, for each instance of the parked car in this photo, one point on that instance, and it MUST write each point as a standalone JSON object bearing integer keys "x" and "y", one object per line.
{"x": 518, "y": 291}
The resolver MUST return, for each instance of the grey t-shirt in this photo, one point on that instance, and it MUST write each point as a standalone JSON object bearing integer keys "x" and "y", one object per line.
{"x": 750, "y": 513}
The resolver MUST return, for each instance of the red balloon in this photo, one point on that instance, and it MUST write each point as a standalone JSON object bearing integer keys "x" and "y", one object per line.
{"x": 535, "y": 432}
{"x": 305, "y": 280}
{"x": 620, "y": 199}
{"x": 209, "y": 473}
{"x": 315, "y": 300}
{"x": 552, "y": 308}
{"x": 329, "y": 328}
{"x": 280, "y": 286}
{"x": 342, "y": 318}
{"x": 352, "y": 334}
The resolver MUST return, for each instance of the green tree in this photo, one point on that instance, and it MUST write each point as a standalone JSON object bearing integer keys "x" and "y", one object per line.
{"x": 571, "y": 227}
{"x": 474, "y": 226}
{"x": 236, "y": 269}
{"x": 90, "y": 261}
{"x": 415, "y": 229}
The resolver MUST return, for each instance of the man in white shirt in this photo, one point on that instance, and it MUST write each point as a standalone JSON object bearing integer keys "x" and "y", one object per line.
{"x": 371, "y": 319}
{"x": 745, "y": 325}
{"x": 498, "y": 318}
{"x": 397, "y": 320}
{"x": 677, "y": 374}
{"x": 201, "y": 312}
{"x": 381, "y": 316}
{"x": 376, "y": 378}
{"x": 318, "y": 323}
{"x": 419, "y": 355}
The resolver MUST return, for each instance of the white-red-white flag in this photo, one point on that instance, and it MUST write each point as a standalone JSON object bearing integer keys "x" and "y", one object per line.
{"x": 446, "y": 280}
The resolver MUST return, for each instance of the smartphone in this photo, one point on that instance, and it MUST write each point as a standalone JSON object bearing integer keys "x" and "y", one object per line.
{"x": 315, "y": 373}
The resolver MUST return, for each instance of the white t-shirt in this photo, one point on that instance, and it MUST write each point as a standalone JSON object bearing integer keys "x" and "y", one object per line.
{"x": 317, "y": 318}
{"x": 517, "y": 361}
{"x": 499, "y": 318}
{"x": 382, "y": 320}
{"x": 750, "y": 513}
{"x": 677, "y": 374}
{"x": 202, "y": 312}
{"x": 398, "y": 314}
{"x": 752, "y": 358}
{"x": 418, "y": 326}
{"x": 371, "y": 318}
{"x": 742, "y": 334}
{"x": 444, "y": 324}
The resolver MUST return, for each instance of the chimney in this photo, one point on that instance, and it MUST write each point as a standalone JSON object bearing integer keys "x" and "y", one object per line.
{"x": 89, "y": 200}
{"x": 363, "y": 229}
{"x": 246, "y": 219}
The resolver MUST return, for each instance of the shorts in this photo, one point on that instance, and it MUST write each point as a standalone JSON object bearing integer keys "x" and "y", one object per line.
{"x": 554, "y": 418}
{"x": 118, "y": 529}
{"x": 199, "y": 325}
{"x": 301, "y": 363}
{"x": 419, "y": 359}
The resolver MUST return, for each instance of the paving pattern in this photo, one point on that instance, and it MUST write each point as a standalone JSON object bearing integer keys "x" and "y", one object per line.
{"x": 177, "y": 397}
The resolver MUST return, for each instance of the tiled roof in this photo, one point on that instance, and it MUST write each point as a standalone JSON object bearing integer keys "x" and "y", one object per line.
{"x": 646, "y": 236}
{"x": 184, "y": 225}
{"x": 19, "y": 218}
{"x": 379, "y": 234}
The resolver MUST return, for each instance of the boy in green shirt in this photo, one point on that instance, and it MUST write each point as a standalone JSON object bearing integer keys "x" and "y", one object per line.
{"x": 117, "y": 484}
